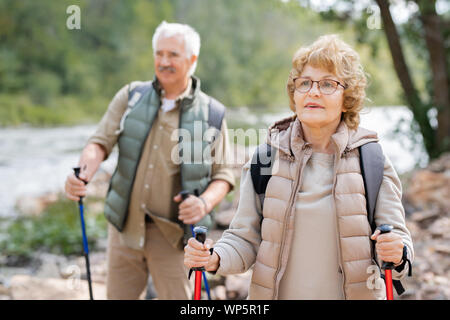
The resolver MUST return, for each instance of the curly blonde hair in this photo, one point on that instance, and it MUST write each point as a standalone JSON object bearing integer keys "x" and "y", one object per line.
{"x": 337, "y": 57}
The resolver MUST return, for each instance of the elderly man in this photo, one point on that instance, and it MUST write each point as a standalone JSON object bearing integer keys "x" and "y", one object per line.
{"x": 161, "y": 129}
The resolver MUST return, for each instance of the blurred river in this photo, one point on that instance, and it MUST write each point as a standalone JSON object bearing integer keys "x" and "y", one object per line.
{"x": 34, "y": 161}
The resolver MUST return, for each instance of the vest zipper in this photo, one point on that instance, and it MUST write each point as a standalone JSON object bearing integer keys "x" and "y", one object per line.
{"x": 286, "y": 216}
{"x": 336, "y": 160}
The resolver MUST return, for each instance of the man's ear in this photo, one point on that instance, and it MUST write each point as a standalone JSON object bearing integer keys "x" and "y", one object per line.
{"x": 193, "y": 58}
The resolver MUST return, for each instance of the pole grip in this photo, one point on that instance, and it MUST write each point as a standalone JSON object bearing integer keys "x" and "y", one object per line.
{"x": 387, "y": 266}
{"x": 386, "y": 228}
{"x": 77, "y": 171}
{"x": 200, "y": 236}
{"x": 200, "y": 233}
{"x": 184, "y": 194}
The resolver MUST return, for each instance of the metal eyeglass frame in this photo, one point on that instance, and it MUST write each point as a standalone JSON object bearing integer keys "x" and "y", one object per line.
{"x": 318, "y": 85}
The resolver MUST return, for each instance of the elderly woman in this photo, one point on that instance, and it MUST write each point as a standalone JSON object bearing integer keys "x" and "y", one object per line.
{"x": 311, "y": 238}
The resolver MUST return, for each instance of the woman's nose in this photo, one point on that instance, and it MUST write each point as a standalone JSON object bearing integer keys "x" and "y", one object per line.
{"x": 314, "y": 91}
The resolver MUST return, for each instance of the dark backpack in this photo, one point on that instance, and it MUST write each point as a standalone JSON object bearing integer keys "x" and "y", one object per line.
{"x": 372, "y": 167}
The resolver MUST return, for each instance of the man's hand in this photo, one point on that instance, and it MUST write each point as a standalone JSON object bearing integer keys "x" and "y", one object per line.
{"x": 191, "y": 210}
{"x": 74, "y": 187}
{"x": 389, "y": 246}
{"x": 91, "y": 158}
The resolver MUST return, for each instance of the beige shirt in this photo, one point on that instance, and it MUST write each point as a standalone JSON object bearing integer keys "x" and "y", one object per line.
{"x": 312, "y": 271}
{"x": 158, "y": 177}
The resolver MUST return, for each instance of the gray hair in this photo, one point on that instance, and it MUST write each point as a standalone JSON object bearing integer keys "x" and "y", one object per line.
{"x": 190, "y": 37}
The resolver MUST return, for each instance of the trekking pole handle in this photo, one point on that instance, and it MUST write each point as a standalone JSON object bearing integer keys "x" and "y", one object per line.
{"x": 200, "y": 236}
{"x": 77, "y": 174}
{"x": 200, "y": 233}
{"x": 386, "y": 228}
{"x": 184, "y": 194}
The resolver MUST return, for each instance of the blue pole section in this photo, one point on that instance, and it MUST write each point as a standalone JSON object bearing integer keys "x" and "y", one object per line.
{"x": 83, "y": 229}
{"x": 205, "y": 281}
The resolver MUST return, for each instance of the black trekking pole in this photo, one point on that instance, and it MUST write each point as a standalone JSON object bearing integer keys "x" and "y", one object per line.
{"x": 83, "y": 231}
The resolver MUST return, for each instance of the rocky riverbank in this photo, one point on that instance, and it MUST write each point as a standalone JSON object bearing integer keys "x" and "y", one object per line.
{"x": 426, "y": 201}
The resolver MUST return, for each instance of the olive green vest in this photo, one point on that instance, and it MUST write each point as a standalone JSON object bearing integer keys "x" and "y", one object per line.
{"x": 194, "y": 142}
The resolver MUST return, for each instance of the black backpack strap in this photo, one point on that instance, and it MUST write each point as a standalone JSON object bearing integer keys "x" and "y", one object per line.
{"x": 372, "y": 167}
{"x": 261, "y": 169}
{"x": 216, "y": 113}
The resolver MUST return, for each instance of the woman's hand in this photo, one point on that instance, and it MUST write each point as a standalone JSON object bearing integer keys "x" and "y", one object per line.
{"x": 389, "y": 246}
{"x": 197, "y": 254}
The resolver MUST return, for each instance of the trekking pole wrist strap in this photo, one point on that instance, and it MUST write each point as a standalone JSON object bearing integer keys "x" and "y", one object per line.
{"x": 204, "y": 204}
{"x": 404, "y": 260}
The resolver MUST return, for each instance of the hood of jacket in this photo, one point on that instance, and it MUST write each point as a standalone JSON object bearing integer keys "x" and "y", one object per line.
{"x": 286, "y": 135}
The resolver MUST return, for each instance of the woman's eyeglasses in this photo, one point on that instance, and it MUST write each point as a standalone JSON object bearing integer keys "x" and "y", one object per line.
{"x": 326, "y": 86}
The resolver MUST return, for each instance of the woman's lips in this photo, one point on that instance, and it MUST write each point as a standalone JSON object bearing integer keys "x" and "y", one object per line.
{"x": 313, "y": 106}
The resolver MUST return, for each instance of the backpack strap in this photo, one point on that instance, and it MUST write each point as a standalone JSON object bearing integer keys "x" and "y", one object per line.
{"x": 134, "y": 96}
{"x": 137, "y": 92}
{"x": 372, "y": 167}
{"x": 261, "y": 169}
{"x": 216, "y": 112}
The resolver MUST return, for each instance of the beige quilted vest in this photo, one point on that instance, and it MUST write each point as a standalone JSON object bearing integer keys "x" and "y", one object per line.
{"x": 353, "y": 229}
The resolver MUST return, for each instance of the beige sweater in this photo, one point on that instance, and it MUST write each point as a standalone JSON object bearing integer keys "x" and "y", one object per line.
{"x": 312, "y": 271}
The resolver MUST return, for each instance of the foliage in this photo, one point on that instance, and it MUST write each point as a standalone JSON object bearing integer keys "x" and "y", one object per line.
{"x": 16, "y": 109}
{"x": 57, "y": 230}
{"x": 48, "y": 72}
